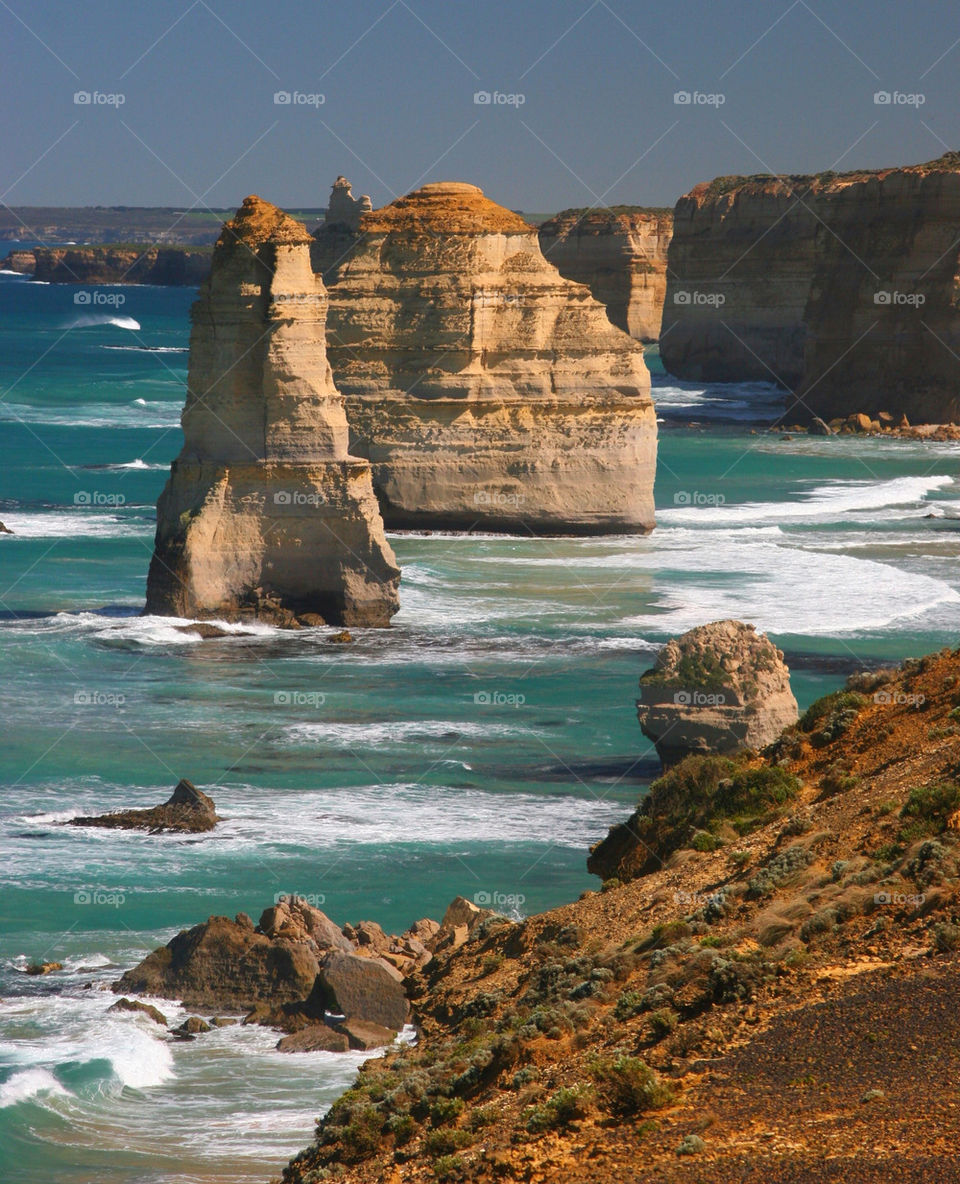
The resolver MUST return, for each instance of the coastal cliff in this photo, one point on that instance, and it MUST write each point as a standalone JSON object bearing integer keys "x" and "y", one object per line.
{"x": 621, "y": 255}
{"x": 841, "y": 287}
{"x": 134, "y": 264}
{"x": 487, "y": 391}
{"x": 265, "y": 513}
{"x": 732, "y": 1012}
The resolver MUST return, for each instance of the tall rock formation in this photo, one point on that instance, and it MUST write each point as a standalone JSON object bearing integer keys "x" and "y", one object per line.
{"x": 842, "y": 287}
{"x": 344, "y": 209}
{"x": 265, "y": 512}
{"x": 621, "y": 255}
{"x": 487, "y": 391}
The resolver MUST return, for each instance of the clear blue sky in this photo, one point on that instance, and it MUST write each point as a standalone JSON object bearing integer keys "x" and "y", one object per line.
{"x": 199, "y": 125}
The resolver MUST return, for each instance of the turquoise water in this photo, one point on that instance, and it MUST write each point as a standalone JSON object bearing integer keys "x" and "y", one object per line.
{"x": 479, "y": 746}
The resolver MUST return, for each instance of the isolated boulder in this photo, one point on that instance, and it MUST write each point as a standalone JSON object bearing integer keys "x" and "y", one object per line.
{"x": 135, "y": 1005}
{"x": 362, "y": 1035}
{"x": 187, "y": 809}
{"x": 363, "y": 989}
{"x": 719, "y": 688}
{"x": 318, "y": 1038}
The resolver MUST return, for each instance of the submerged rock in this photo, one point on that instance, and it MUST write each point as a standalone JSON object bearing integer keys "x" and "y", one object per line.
{"x": 488, "y": 391}
{"x": 187, "y": 809}
{"x": 145, "y": 1008}
{"x": 265, "y": 513}
{"x": 719, "y": 688}
{"x": 38, "y": 968}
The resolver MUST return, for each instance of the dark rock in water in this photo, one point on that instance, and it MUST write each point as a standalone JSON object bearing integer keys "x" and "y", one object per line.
{"x": 222, "y": 965}
{"x": 43, "y": 967}
{"x": 343, "y": 637}
{"x": 364, "y": 989}
{"x": 187, "y": 810}
{"x": 319, "y": 1038}
{"x": 224, "y": 1021}
{"x": 5, "y": 529}
{"x": 135, "y": 1005}
{"x": 819, "y": 427}
{"x": 193, "y": 1026}
{"x": 363, "y": 1035}
{"x": 203, "y": 630}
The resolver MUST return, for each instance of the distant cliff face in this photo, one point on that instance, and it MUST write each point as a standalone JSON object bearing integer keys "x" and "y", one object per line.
{"x": 621, "y": 255}
{"x": 486, "y": 389}
{"x": 842, "y": 288}
{"x": 175, "y": 266}
{"x": 265, "y": 513}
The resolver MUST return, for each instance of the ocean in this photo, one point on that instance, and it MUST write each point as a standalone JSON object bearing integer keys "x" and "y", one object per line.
{"x": 478, "y": 747}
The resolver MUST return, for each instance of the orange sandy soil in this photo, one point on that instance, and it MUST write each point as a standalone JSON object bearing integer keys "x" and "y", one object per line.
{"x": 769, "y": 1022}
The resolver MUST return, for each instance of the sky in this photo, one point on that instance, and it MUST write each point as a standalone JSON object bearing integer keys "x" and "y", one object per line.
{"x": 196, "y": 103}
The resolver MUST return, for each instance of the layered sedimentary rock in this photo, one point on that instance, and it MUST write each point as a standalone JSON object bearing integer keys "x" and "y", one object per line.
{"x": 487, "y": 391}
{"x": 841, "y": 287}
{"x": 719, "y": 688}
{"x": 621, "y": 255}
{"x": 344, "y": 209}
{"x": 170, "y": 266}
{"x": 266, "y": 513}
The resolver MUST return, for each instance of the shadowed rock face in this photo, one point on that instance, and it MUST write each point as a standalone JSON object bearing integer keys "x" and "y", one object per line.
{"x": 266, "y": 513}
{"x": 720, "y": 688}
{"x": 841, "y": 287}
{"x": 621, "y": 255}
{"x": 486, "y": 390}
{"x": 187, "y": 809}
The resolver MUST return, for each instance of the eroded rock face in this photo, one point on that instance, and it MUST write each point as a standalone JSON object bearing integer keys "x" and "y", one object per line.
{"x": 266, "y": 514}
{"x": 486, "y": 390}
{"x": 719, "y": 688}
{"x": 621, "y": 255}
{"x": 363, "y": 989}
{"x": 344, "y": 209}
{"x": 841, "y": 287}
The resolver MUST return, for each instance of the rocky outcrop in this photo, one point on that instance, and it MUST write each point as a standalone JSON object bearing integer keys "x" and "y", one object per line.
{"x": 487, "y": 391}
{"x": 266, "y": 514}
{"x": 841, "y": 287}
{"x": 621, "y": 255}
{"x": 187, "y": 809}
{"x": 170, "y": 266}
{"x": 5, "y": 529}
{"x": 719, "y": 688}
{"x": 343, "y": 208}
{"x": 146, "y": 1009}
{"x": 288, "y": 971}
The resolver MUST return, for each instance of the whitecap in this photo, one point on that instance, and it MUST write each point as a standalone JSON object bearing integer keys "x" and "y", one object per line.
{"x": 29, "y": 1083}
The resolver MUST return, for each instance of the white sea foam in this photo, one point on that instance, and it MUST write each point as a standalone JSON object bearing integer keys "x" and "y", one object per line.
{"x": 362, "y": 735}
{"x": 149, "y": 349}
{"x": 835, "y": 501}
{"x": 68, "y": 524}
{"x": 29, "y": 1083}
{"x": 94, "y": 320}
{"x": 139, "y": 413}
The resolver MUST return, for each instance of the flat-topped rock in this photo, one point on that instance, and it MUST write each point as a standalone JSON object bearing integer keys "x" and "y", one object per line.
{"x": 487, "y": 391}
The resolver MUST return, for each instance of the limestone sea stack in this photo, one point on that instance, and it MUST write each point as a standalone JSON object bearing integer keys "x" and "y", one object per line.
{"x": 487, "y": 391}
{"x": 841, "y": 287}
{"x": 621, "y": 255}
{"x": 266, "y": 513}
{"x": 719, "y": 688}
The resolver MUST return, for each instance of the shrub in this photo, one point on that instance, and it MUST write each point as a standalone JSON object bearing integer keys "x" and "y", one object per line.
{"x": 447, "y": 1167}
{"x": 627, "y": 1085}
{"x": 629, "y": 1004}
{"x": 837, "y": 779}
{"x": 704, "y": 841}
{"x": 662, "y": 1022}
{"x": 445, "y": 1111}
{"x": 564, "y": 1107}
{"x": 927, "y": 809}
{"x": 402, "y": 1127}
{"x": 446, "y": 1140}
{"x": 360, "y": 1138}
{"x": 946, "y": 937}
{"x": 831, "y": 716}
